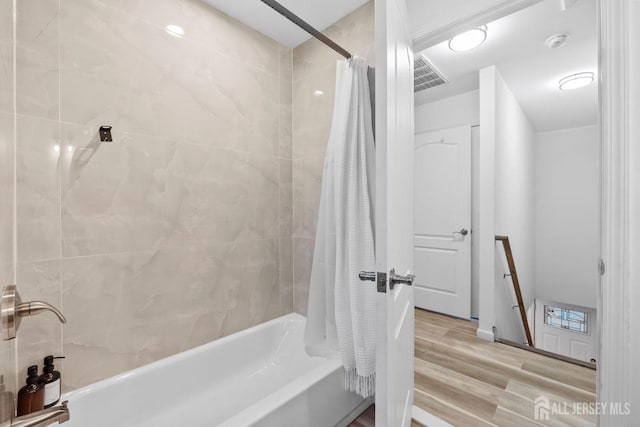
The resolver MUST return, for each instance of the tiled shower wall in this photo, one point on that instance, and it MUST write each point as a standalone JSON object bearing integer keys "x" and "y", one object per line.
{"x": 180, "y": 230}
{"x": 7, "y": 348}
{"x": 314, "y": 73}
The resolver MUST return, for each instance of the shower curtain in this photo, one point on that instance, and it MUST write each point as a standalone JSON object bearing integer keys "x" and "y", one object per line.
{"x": 341, "y": 316}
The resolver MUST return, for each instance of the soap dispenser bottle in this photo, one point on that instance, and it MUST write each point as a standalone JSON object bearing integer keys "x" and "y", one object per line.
{"x": 6, "y": 402}
{"x": 31, "y": 396}
{"x": 50, "y": 380}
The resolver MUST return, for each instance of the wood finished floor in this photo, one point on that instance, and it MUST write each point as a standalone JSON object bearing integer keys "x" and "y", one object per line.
{"x": 368, "y": 419}
{"x": 467, "y": 381}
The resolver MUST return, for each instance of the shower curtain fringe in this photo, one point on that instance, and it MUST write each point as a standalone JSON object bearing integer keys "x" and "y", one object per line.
{"x": 364, "y": 386}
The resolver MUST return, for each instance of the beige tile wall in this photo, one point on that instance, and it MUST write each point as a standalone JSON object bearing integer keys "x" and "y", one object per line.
{"x": 314, "y": 68}
{"x": 180, "y": 230}
{"x": 7, "y": 115}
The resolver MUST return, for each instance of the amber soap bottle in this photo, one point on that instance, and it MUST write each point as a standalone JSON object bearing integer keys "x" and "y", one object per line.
{"x": 31, "y": 396}
{"x": 50, "y": 380}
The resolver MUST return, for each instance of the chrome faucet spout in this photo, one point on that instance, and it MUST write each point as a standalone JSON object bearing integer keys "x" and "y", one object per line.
{"x": 56, "y": 414}
{"x": 34, "y": 307}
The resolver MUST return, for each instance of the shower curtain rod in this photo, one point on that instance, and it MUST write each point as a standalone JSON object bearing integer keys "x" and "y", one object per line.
{"x": 305, "y": 26}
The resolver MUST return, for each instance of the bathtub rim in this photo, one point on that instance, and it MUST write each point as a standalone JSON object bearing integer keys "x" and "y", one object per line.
{"x": 167, "y": 361}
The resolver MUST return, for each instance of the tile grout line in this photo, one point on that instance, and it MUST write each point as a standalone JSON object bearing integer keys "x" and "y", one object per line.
{"x": 15, "y": 179}
{"x": 279, "y": 73}
{"x": 293, "y": 192}
{"x": 61, "y": 301}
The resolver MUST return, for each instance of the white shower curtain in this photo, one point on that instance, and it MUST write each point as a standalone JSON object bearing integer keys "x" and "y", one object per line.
{"x": 341, "y": 316}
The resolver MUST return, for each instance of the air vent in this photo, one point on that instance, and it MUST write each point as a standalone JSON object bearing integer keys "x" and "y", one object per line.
{"x": 426, "y": 75}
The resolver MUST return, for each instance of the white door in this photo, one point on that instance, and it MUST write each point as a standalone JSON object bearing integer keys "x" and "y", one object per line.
{"x": 569, "y": 330}
{"x": 394, "y": 213}
{"x": 442, "y": 241}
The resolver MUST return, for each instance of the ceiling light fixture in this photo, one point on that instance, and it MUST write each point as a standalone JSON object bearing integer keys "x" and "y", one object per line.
{"x": 469, "y": 39}
{"x": 557, "y": 40}
{"x": 175, "y": 30}
{"x": 575, "y": 81}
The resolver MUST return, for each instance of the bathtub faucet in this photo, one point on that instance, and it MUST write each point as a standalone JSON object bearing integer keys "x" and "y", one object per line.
{"x": 43, "y": 418}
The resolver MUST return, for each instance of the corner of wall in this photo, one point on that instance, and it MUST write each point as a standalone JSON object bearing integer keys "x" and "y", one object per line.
{"x": 486, "y": 205}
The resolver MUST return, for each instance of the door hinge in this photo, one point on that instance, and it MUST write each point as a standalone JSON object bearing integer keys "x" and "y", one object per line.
{"x": 601, "y": 267}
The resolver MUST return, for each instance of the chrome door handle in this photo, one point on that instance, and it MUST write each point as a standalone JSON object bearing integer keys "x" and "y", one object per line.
{"x": 463, "y": 231}
{"x": 369, "y": 276}
{"x": 395, "y": 279}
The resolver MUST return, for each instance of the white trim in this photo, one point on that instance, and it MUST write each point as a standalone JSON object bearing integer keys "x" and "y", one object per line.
{"x": 485, "y": 334}
{"x": 427, "y": 419}
{"x": 614, "y": 304}
{"x": 441, "y": 34}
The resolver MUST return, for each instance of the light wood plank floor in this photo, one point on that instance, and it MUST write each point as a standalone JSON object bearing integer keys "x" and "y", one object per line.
{"x": 368, "y": 419}
{"x": 467, "y": 381}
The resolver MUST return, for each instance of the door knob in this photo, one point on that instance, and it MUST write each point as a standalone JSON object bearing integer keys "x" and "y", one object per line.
{"x": 395, "y": 279}
{"x": 367, "y": 276}
{"x": 12, "y": 310}
{"x": 463, "y": 231}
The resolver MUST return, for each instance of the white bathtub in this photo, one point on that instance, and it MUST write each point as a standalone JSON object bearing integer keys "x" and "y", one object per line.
{"x": 258, "y": 377}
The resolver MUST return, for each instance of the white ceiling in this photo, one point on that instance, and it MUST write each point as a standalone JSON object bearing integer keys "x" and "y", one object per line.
{"x": 254, "y": 13}
{"x": 516, "y": 45}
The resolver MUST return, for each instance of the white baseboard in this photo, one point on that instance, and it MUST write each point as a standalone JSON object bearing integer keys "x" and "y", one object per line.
{"x": 485, "y": 335}
{"x": 427, "y": 419}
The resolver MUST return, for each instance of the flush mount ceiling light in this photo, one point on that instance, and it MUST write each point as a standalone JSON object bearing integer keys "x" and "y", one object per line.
{"x": 556, "y": 41}
{"x": 175, "y": 30}
{"x": 469, "y": 39}
{"x": 575, "y": 81}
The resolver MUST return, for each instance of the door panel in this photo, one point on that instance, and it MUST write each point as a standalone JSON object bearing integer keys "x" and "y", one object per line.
{"x": 579, "y": 345}
{"x": 394, "y": 212}
{"x": 442, "y": 254}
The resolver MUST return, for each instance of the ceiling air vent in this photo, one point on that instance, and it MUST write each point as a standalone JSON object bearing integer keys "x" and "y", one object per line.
{"x": 426, "y": 75}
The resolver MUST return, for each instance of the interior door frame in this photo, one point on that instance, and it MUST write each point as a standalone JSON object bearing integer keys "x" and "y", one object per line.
{"x": 618, "y": 379}
{"x": 617, "y": 375}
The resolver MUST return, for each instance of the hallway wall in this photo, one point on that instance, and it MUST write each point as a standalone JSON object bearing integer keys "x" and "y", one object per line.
{"x": 567, "y": 216}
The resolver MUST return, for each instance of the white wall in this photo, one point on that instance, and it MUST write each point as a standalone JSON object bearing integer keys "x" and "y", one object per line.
{"x": 484, "y": 234}
{"x": 515, "y": 187}
{"x": 458, "y": 110}
{"x": 507, "y": 177}
{"x": 567, "y": 217}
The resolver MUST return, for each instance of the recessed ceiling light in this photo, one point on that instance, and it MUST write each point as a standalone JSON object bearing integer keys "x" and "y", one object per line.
{"x": 575, "y": 81}
{"x": 469, "y": 39}
{"x": 175, "y": 30}
{"x": 318, "y": 93}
